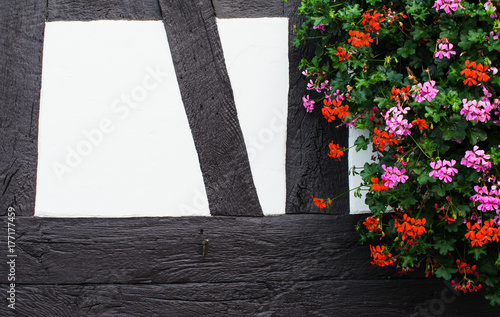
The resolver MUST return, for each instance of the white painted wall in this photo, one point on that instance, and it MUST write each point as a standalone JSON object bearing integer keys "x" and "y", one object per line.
{"x": 358, "y": 159}
{"x": 114, "y": 139}
{"x": 256, "y": 54}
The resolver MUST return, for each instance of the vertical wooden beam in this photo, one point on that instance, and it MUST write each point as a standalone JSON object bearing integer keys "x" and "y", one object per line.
{"x": 208, "y": 99}
{"x": 309, "y": 171}
{"x": 21, "y": 43}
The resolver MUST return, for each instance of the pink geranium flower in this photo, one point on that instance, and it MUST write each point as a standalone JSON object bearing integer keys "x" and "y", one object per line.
{"x": 425, "y": 91}
{"x": 443, "y": 170}
{"x": 308, "y": 104}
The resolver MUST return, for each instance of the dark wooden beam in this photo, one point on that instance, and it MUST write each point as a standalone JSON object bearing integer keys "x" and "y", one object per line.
{"x": 309, "y": 171}
{"x": 389, "y": 298}
{"x": 88, "y": 10}
{"x": 209, "y": 102}
{"x": 21, "y": 44}
{"x": 248, "y": 9}
{"x": 170, "y": 250}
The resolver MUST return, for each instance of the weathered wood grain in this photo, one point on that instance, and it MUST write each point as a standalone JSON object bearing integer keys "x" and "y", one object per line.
{"x": 248, "y": 9}
{"x": 209, "y": 102}
{"x": 261, "y": 298}
{"x": 88, "y": 10}
{"x": 21, "y": 45}
{"x": 169, "y": 250}
{"x": 309, "y": 171}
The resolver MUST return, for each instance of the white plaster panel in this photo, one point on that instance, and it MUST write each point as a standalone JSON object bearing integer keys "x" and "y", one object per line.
{"x": 114, "y": 139}
{"x": 256, "y": 54}
{"x": 358, "y": 159}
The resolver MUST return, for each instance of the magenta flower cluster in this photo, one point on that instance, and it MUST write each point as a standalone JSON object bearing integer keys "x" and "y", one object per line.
{"x": 476, "y": 159}
{"x": 320, "y": 27}
{"x": 496, "y": 108}
{"x": 444, "y": 50}
{"x": 338, "y": 96}
{"x": 395, "y": 121}
{"x": 425, "y": 91}
{"x": 318, "y": 87}
{"x": 476, "y": 111}
{"x": 487, "y": 199}
{"x": 490, "y": 8}
{"x": 308, "y": 104}
{"x": 447, "y": 5}
{"x": 393, "y": 176}
{"x": 493, "y": 36}
{"x": 443, "y": 170}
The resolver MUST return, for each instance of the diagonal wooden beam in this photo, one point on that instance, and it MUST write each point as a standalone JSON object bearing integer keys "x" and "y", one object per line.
{"x": 208, "y": 99}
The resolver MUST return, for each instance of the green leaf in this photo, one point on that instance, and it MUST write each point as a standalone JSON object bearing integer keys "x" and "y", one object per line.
{"x": 477, "y": 134}
{"x": 417, "y": 9}
{"x": 408, "y": 201}
{"x": 359, "y": 95}
{"x": 454, "y": 129}
{"x": 494, "y": 299}
{"x": 451, "y": 98}
{"x": 350, "y": 12}
{"x": 446, "y": 267}
{"x": 477, "y": 35}
{"x": 445, "y": 272}
{"x": 378, "y": 76}
{"x": 465, "y": 42}
{"x": 395, "y": 78}
{"x": 424, "y": 178}
{"x": 382, "y": 102}
{"x": 489, "y": 271}
{"x": 362, "y": 82}
{"x": 361, "y": 143}
{"x": 434, "y": 113}
{"x": 445, "y": 246}
{"x": 419, "y": 32}
{"x": 477, "y": 252}
{"x": 407, "y": 49}
{"x": 453, "y": 227}
{"x": 408, "y": 260}
{"x": 368, "y": 171}
{"x": 448, "y": 28}
{"x": 438, "y": 189}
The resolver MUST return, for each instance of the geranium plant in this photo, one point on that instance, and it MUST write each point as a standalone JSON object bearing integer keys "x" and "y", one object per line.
{"x": 421, "y": 78}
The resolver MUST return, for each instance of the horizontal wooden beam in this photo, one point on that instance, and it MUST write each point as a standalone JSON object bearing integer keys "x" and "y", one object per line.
{"x": 88, "y": 10}
{"x": 170, "y": 250}
{"x": 248, "y": 9}
{"x": 389, "y": 298}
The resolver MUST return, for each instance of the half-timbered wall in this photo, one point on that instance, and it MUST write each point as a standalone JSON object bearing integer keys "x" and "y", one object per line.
{"x": 207, "y": 73}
